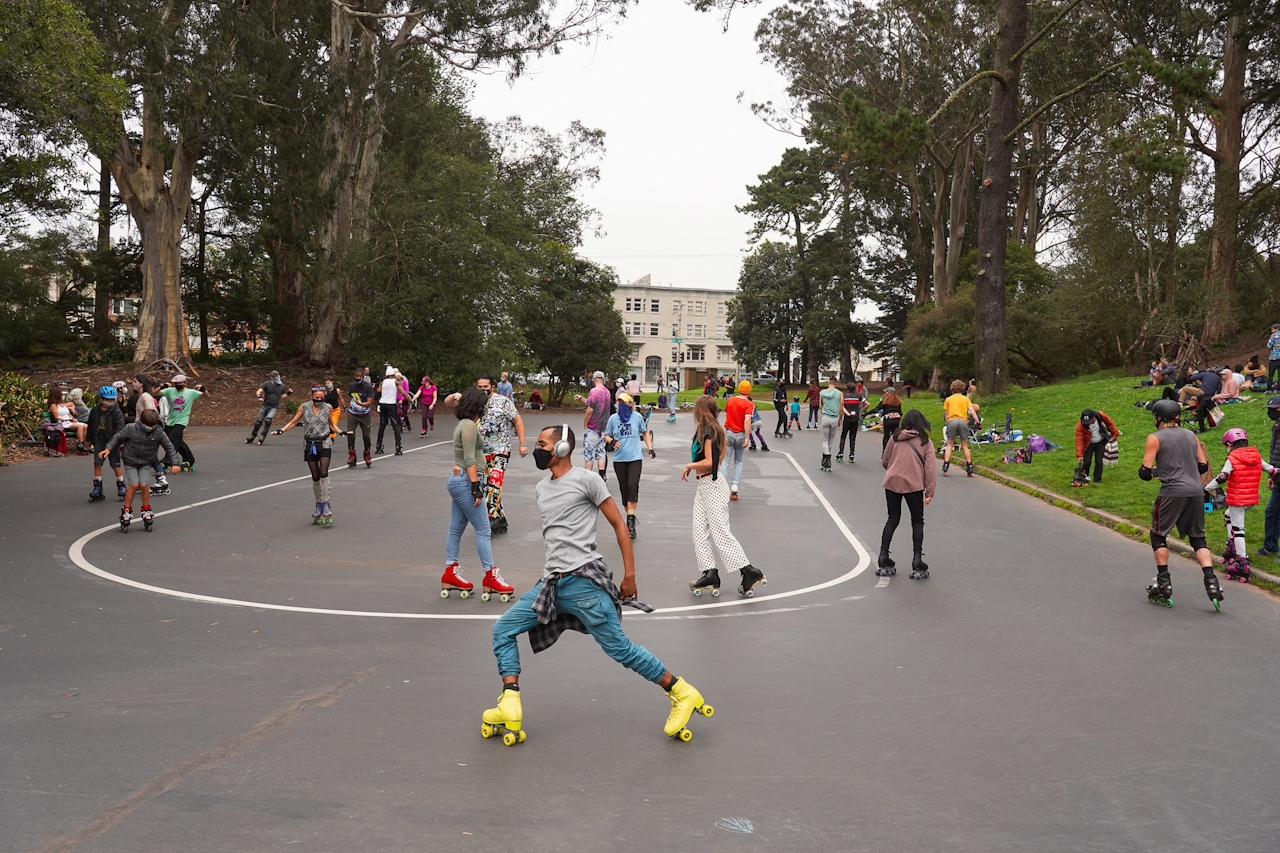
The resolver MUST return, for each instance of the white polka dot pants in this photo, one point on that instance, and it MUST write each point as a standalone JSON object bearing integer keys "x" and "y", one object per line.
{"x": 711, "y": 524}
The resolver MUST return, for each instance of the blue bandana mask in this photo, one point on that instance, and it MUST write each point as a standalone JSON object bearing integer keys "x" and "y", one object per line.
{"x": 624, "y": 412}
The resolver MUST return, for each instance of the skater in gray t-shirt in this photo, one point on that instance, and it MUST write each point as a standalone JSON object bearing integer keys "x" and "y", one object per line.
{"x": 1176, "y": 457}
{"x": 576, "y": 592}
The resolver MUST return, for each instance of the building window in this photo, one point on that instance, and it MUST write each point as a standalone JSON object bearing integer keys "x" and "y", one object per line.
{"x": 636, "y": 305}
{"x": 719, "y": 331}
{"x": 719, "y": 309}
{"x": 697, "y": 353}
{"x": 635, "y": 353}
{"x": 635, "y": 330}
{"x": 654, "y": 308}
{"x": 125, "y": 307}
{"x": 700, "y": 307}
{"x": 697, "y": 330}
{"x": 724, "y": 353}
{"x": 653, "y": 330}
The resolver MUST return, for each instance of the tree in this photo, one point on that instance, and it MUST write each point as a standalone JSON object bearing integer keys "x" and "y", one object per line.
{"x": 764, "y": 315}
{"x": 570, "y": 323}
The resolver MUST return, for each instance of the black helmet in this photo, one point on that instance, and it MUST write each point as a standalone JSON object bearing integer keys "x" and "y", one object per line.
{"x": 1166, "y": 411}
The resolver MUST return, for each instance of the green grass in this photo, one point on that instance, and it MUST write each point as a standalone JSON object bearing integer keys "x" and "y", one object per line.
{"x": 1053, "y": 411}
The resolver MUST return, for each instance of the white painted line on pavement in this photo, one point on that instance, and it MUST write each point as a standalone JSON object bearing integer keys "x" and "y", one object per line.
{"x": 76, "y": 554}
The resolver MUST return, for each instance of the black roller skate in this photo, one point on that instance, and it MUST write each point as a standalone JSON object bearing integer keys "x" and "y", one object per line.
{"x": 885, "y": 567}
{"x": 710, "y": 580}
{"x": 826, "y": 462}
{"x": 262, "y": 439}
{"x": 251, "y": 439}
{"x": 631, "y": 526}
{"x": 121, "y": 489}
{"x": 919, "y": 568}
{"x": 1161, "y": 590}
{"x": 839, "y": 457}
{"x": 379, "y": 451}
{"x": 126, "y": 516}
{"x": 968, "y": 469}
{"x": 351, "y": 458}
{"x": 499, "y": 525}
{"x": 147, "y": 518}
{"x": 751, "y": 577}
{"x": 946, "y": 466}
{"x": 96, "y": 494}
{"x": 1212, "y": 589}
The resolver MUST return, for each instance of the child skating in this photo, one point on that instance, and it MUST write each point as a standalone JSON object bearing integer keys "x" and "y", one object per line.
{"x": 1176, "y": 457}
{"x": 139, "y": 444}
{"x": 1242, "y": 472}
{"x": 105, "y": 420}
{"x": 576, "y": 592}
{"x": 795, "y": 414}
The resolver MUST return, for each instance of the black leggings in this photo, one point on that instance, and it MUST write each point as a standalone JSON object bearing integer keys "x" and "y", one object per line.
{"x": 782, "y": 419}
{"x": 890, "y": 427}
{"x": 1094, "y": 452}
{"x": 851, "y": 430}
{"x": 388, "y": 413}
{"x": 319, "y": 466}
{"x": 175, "y": 435}
{"x": 915, "y": 503}
{"x": 628, "y": 474}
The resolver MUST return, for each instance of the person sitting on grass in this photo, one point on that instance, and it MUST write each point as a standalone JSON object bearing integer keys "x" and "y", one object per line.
{"x": 1255, "y": 374}
{"x": 1093, "y": 431}
{"x": 1230, "y": 392}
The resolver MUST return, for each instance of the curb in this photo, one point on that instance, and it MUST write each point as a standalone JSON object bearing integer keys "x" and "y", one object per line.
{"x": 1121, "y": 525}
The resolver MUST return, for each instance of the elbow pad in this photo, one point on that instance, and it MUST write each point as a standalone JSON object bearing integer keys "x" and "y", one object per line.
{"x": 1202, "y": 467}
{"x": 476, "y": 491}
{"x": 1144, "y": 473}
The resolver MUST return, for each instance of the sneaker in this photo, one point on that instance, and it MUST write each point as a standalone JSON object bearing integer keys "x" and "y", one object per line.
{"x": 1266, "y": 552}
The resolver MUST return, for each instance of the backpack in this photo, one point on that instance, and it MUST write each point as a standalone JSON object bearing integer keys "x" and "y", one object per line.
{"x": 1037, "y": 444}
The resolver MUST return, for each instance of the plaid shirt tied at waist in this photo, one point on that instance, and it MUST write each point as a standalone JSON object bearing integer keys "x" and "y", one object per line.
{"x": 552, "y": 624}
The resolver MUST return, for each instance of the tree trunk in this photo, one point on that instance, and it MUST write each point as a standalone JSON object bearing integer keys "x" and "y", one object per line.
{"x": 101, "y": 287}
{"x": 846, "y": 364}
{"x": 290, "y": 321}
{"x": 924, "y": 284}
{"x": 159, "y": 209}
{"x": 993, "y": 215}
{"x": 201, "y": 294}
{"x": 938, "y": 226}
{"x": 959, "y": 215}
{"x": 1224, "y": 238}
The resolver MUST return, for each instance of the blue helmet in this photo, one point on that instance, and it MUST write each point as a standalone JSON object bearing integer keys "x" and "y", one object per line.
{"x": 107, "y": 392}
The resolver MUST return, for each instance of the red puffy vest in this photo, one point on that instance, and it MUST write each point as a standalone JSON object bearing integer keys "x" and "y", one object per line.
{"x": 1246, "y": 474}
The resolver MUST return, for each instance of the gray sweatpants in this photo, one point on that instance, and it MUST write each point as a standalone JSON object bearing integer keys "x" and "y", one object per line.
{"x": 829, "y": 428}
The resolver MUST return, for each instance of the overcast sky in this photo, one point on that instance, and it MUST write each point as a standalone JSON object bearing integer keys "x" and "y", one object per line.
{"x": 680, "y": 146}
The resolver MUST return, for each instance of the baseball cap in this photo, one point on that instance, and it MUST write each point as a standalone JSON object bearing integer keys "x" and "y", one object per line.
{"x": 599, "y": 374}
{"x": 1274, "y": 402}
{"x": 179, "y": 378}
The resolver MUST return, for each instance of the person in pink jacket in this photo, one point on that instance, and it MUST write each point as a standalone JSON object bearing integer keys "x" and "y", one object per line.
{"x": 911, "y": 474}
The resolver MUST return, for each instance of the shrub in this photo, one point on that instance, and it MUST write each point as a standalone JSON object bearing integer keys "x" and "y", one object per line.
{"x": 24, "y": 406}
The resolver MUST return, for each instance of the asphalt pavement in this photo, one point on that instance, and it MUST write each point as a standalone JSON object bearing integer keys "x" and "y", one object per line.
{"x": 240, "y": 680}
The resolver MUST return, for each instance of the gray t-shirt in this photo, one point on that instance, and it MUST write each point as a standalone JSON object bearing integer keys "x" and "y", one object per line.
{"x": 570, "y": 505}
{"x": 272, "y": 391}
{"x": 1176, "y": 463}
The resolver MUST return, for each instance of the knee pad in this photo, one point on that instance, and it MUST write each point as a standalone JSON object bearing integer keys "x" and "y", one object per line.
{"x": 1198, "y": 542}
{"x": 1158, "y": 541}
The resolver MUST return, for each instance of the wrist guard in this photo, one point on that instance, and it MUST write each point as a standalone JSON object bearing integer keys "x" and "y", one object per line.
{"x": 1144, "y": 473}
{"x": 1202, "y": 467}
{"x": 476, "y": 491}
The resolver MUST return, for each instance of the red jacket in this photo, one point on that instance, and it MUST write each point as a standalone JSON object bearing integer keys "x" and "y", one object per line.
{"x": 1084, "y": 437}
{"x": 1246, "y": 474}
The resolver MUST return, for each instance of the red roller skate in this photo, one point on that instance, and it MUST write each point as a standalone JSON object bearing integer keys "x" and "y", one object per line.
{"x": 452, "y": 579}
{"x": 493, "y": 584}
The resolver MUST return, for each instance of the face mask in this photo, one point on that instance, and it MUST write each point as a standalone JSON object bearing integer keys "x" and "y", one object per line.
{"x": 1274, "y": 414}
{"x": 277, "y": 380}
{"x": 180, "y": 387}
{"x": 624, "y": 412}
{"x": 328, "y": 386}
{"x": 542, "y": 458}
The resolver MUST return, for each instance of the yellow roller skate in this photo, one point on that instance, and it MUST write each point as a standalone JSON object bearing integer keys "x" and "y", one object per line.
{"x": 685, "y": 699}
{"x": 505, "y": 719}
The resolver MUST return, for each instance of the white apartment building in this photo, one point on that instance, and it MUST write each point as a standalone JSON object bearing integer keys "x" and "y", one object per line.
{"x": 676, "y": 331}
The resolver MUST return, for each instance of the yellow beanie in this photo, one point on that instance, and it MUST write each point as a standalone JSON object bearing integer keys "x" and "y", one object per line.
{"x": 744, "y": 387}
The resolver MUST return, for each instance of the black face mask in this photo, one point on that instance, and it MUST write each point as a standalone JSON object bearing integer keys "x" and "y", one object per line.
{"x": 542, "y": 458}
{"x": 1274, "y": 414}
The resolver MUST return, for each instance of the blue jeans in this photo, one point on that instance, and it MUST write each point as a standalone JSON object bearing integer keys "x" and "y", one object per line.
{"x": 1271, "y": 539}
{"x": 735, "y": 448}
{"x": 464, "y": 511}
{"x": 592, "y": 605}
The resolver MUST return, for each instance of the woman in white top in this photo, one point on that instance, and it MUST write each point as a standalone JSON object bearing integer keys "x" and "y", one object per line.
{"x": 388, "y": 411}
{"x": 61, "y": 413}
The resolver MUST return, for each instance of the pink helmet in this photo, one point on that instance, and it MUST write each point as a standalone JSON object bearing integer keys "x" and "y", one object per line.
{"x": 1231, "y": 436}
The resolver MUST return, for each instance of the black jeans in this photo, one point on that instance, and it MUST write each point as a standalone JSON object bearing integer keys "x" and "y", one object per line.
{"x": 850, "y": 429}
{"x": 782, "y": 419}
{"x": 1094, "y": 451}
{"x": 1273, "y": 373}
{"x": 388, "y": 413}
{"x": 915, "y": 503}
{"x": 175, "y": 435}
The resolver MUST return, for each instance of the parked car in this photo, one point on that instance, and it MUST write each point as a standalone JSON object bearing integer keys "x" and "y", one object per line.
{"x": 766, "y": 377}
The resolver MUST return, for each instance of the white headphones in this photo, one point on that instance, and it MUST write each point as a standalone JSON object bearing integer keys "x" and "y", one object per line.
{"x": 563, "y": 448}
